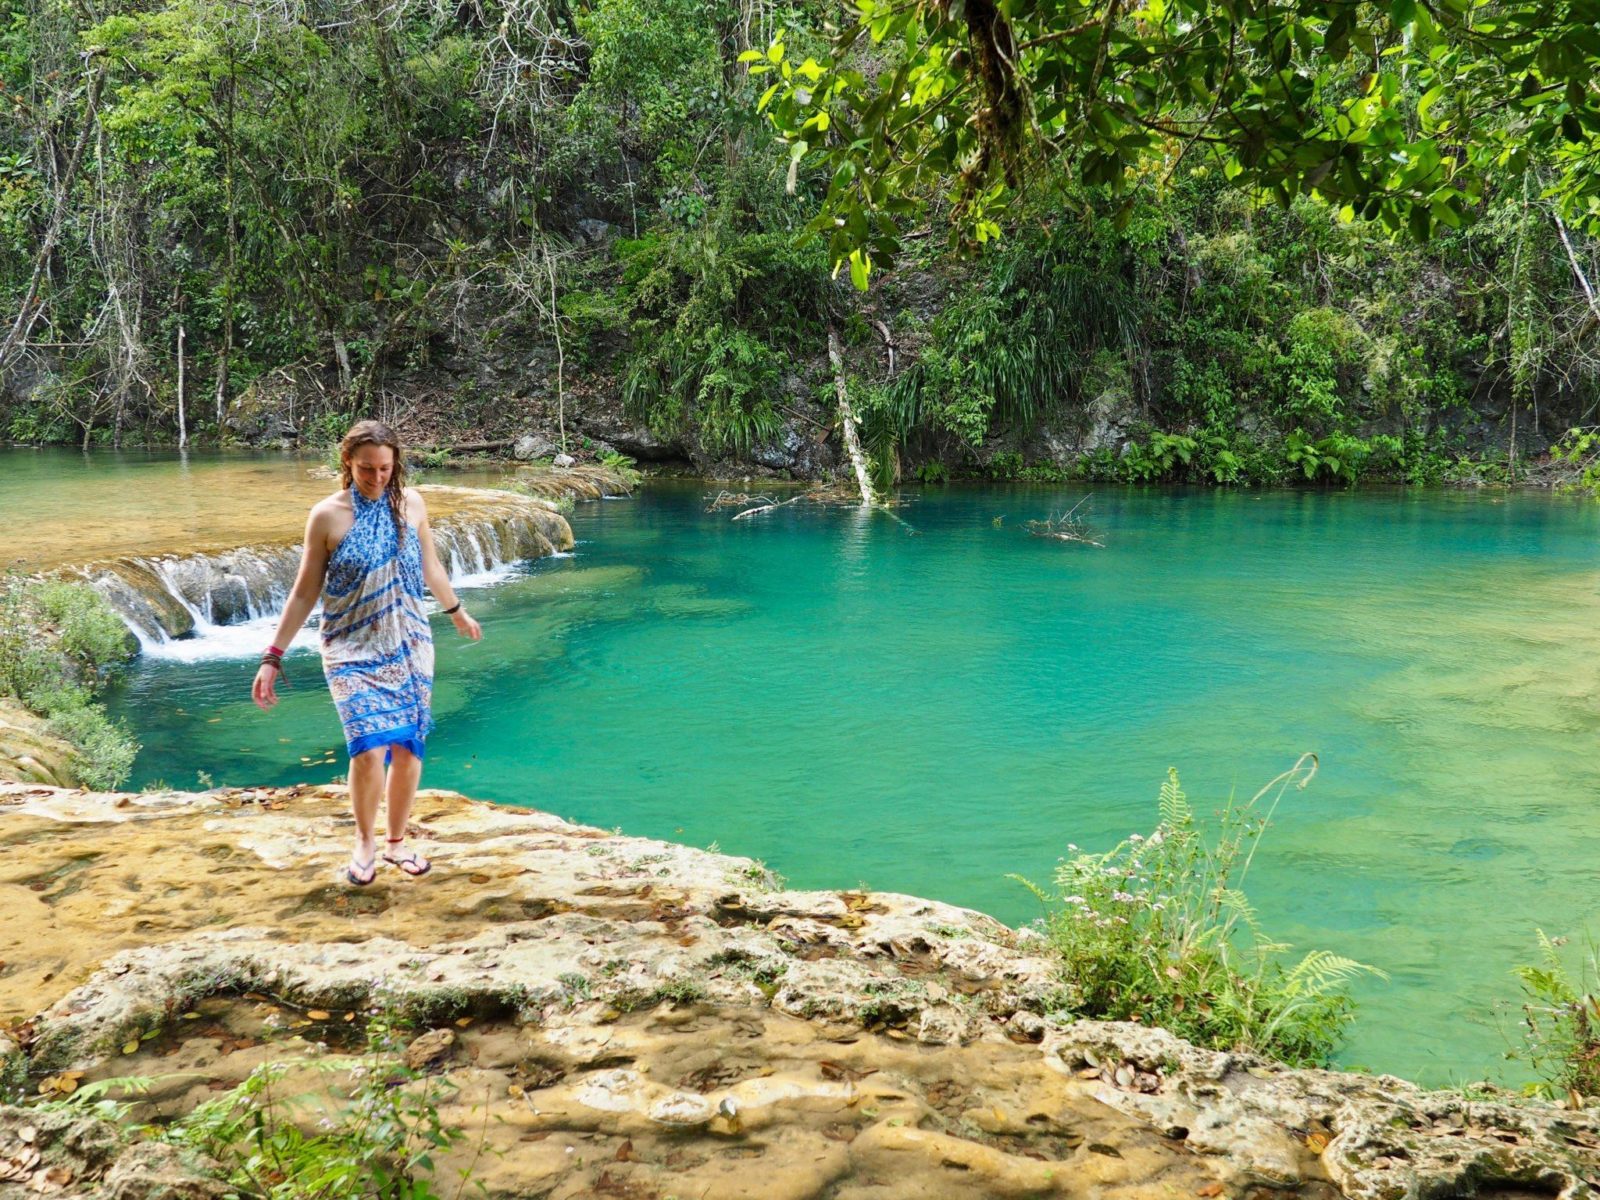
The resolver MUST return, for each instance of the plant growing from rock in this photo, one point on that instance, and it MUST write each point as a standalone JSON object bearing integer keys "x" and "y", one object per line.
{"x": 1561, "y": 1023}
{"x": 1158, "y": 930}
{"x": 378, "y": 1142}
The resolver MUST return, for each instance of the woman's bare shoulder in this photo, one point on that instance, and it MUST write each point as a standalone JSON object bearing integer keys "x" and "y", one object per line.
{"x": 325, "y": 512}
{"x": 331, "y": 504}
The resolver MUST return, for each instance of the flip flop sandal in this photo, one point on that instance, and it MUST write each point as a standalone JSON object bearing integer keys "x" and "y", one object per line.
{"x": 354, "y": 871}
{"x": 412, "y": 863}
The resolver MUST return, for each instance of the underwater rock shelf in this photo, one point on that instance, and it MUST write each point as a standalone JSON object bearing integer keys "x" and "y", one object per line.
{"x": 621, "y": 1016}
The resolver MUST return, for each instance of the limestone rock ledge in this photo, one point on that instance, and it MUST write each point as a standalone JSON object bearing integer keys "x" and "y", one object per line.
{"x": 29, "y": 752}
{"x": 621, "y": 1016}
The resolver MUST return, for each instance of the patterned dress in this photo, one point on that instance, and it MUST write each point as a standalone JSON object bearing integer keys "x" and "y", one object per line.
{"x": 377, "y": 649}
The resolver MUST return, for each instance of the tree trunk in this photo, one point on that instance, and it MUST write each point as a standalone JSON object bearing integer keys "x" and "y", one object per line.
{"x": 183, "y": 425}
{"x": 847, "y": 419}
{"x": 1577, "y": 269}
{"x": 23, "y": 325}
{"x": 342, "y": 353}
{"x": 231, "y": 200}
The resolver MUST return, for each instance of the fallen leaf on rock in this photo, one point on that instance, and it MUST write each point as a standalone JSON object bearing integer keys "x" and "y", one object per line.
{"x": 52, "y": 1180}
{"x": 478, "y": 878}
{"x": 317, "y": 1014}
{"x": 838, "y": 1071}
{"x": 1210, "y": 1189}
{"x": 463, "y": 1022}
{"x": 27, "y": 1133}
{"x": 1317, "y": 1142}
{"x": 190, "y": 1016}
{"x": 625, "y": 1152}
{"x": 131, "y": 1047}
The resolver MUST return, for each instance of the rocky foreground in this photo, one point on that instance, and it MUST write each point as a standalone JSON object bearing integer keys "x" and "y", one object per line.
{"x": 614, "y": 1016}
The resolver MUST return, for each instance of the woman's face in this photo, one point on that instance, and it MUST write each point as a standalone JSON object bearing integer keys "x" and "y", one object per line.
{"x": 370, "y": 467}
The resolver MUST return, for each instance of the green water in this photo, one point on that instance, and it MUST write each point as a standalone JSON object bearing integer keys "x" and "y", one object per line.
{"x": 852, "y": 703}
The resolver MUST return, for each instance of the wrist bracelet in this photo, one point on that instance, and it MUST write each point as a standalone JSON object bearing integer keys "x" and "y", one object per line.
{"x": 275, "y": 661}
{"x": 453, "y": 608}
{"x": 278, "y": 650}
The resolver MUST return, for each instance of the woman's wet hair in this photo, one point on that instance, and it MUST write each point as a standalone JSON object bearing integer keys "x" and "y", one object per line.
{"x": 376, "y": 433}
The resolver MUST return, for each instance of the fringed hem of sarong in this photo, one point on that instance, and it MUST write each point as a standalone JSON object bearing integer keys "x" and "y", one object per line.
{"x": 407, "y": 737}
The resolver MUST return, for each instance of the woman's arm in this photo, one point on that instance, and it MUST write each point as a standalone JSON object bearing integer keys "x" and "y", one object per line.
{"x": 433, "y": 572}
{"x": 302, "y": 599}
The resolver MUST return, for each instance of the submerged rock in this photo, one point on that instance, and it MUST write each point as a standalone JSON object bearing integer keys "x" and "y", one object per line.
{"x": 618, "y": 1016}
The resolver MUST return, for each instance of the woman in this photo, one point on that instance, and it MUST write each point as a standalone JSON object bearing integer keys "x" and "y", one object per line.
{"x": 368, "y": 553}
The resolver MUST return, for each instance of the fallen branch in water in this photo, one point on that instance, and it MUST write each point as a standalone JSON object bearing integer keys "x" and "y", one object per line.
{"x": 727, "y": 499}
{"x": 1068, "y": 527}
{"x": 769, "y": 506}
{"x": 833, "y": 495}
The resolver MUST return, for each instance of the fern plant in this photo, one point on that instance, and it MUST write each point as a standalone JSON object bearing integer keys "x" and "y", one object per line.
{"x": 1158, "y": 929}
{"x": 1561, "y": 1021}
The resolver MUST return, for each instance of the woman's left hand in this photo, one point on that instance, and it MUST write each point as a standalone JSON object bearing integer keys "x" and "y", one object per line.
{"x": 465, "y": 625}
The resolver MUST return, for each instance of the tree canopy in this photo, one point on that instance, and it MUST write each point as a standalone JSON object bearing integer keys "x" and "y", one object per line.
{"x": 1403, "y": 112}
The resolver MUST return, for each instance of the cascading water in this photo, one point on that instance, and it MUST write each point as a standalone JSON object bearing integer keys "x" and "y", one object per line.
{"x": 199, "y": 605}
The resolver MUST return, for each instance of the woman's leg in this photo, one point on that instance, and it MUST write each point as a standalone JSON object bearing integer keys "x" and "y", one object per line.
{"x": 405, "y": 772}
{"x": 366, "y": 791}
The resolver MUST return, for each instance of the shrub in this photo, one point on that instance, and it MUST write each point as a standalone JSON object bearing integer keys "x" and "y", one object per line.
{"x": 86, "y": 630}
{"x": 380, "y": 1147}
{"x": 103, "y": 750}
{"x": 1158, "y": 930}
{"x": 1561, "y": 1022}
{"x": 60, "y": 641}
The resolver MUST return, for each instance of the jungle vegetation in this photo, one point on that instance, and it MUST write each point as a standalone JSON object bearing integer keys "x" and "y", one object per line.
{"x": 1231, "y": 243}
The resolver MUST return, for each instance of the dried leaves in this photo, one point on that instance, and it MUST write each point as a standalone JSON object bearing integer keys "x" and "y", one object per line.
{"x": 21, "y": 1162}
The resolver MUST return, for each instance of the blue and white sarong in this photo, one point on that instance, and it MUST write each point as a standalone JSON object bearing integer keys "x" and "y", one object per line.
{"x": 377, "y": 649}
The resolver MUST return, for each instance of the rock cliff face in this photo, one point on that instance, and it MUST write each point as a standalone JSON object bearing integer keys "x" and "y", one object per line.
{"x": 626, "y": 1017}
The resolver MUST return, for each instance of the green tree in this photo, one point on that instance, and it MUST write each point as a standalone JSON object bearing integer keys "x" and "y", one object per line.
{"x": 1398, "y": 111}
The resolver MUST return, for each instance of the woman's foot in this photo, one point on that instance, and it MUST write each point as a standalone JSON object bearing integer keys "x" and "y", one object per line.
{"x": 409, "y": 861}
{"x": 361, "y": 873}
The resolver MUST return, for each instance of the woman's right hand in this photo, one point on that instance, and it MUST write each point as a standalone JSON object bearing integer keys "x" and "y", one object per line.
{"x": 263, "y": 690}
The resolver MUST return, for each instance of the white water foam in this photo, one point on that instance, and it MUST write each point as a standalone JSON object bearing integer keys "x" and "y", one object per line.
{"x": 247, "y": 639}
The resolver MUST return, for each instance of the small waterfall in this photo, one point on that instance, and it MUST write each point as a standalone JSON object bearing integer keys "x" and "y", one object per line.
{"x": 173, "y": 596}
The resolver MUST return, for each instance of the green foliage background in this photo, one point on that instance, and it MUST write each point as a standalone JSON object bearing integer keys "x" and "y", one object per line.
{"x": 365, "y": 198}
